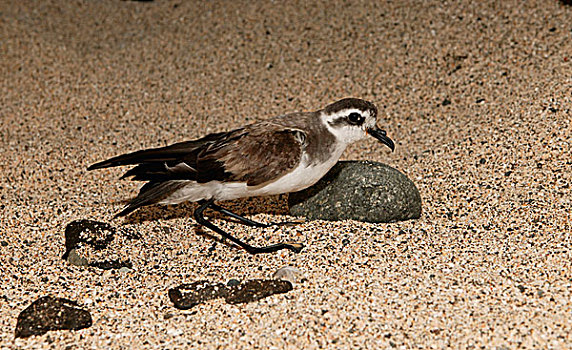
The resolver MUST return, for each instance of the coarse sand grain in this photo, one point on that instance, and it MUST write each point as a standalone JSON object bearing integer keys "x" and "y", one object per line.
{"x": 476, "y": 94}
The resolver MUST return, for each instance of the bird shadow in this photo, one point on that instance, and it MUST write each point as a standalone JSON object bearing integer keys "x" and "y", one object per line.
{"x": 273, "y": 205}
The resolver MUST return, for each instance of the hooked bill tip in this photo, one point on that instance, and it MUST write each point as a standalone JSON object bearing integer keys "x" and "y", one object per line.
{"x": 381, "y": 135}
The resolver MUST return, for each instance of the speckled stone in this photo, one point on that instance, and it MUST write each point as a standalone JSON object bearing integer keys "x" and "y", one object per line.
{"x": 288, "y": 273}
{"x": 89, "y": 243}
{"x": 89, "y": 232}
{"x": 189, "y": 295}
{"x": 253, "y": 290}
{"x": 359, "y": 190}
{"x": 51, "y": 314}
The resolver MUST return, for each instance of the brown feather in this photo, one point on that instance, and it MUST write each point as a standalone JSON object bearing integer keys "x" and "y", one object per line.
{"x": 261, "y": 154}
{"x": 255, "y": 154}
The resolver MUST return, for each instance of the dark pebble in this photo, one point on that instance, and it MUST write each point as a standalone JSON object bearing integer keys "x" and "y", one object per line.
{"x": 51, "y": 314}
{"x": 92, "y": 233}
{"x": 188, "y": 295}
{"x": 95, "y": 236}
{"x": 253, "y": 290}
{"x": 232, "y": 282}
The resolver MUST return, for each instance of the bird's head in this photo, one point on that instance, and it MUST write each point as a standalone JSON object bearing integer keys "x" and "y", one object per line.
{"x": 352, "y": 119}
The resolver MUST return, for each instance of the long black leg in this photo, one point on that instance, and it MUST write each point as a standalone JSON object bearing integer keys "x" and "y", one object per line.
{"x": 238, "y": 217}
{"x": 248, "y": 221}
{"x": 198, "y": 214}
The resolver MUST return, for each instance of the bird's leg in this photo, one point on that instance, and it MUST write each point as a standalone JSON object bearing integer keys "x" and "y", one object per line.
{"x": 198, "y": 215}
{"x": 238, "y": 217}
{"x": 249, "y": 222}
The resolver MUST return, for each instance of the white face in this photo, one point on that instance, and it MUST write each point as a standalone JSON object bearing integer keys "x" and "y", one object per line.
{"x": 349, "y": 125}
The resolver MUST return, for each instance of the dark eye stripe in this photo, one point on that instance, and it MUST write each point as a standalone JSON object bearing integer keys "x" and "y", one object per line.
{"x": 338, "y": 122}
{"x": 344, "y": 121}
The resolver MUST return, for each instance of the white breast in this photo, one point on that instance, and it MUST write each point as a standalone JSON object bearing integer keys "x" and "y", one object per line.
{"x": 303, "y": 176}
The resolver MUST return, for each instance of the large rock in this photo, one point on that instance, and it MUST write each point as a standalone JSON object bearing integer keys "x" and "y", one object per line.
{"x": 359, "y": 190}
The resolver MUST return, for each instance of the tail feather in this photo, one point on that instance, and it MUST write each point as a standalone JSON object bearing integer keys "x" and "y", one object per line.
{"x": 166, "y": 168}
{"x": 161, "y": 155}
{"x": 161, "y": 172}
{"x": 152, "y": 193}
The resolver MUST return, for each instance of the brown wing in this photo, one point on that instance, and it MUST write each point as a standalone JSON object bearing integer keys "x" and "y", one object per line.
{"x": 174, "y": 162}
{"x": 255, "y": 154}
{"x": 252, "y": 156}
{"x": 169, "y": 154}
{"x": 261, "y": 154}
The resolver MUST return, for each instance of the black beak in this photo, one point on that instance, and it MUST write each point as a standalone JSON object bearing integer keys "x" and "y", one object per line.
{"x": 381, "y": 135}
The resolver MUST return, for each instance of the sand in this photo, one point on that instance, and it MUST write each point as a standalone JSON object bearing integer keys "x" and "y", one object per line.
{"x": 476, "y": 94}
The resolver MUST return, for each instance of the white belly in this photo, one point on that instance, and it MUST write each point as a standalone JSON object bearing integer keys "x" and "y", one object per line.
{"x": 300, "y": 178}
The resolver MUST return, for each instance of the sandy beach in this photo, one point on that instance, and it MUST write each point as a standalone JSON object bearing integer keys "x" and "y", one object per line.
{"x": 477, "y": 96}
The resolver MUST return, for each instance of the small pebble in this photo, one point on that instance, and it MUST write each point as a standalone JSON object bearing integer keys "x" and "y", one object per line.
{"x": 232, "y": 282}
{"x": 74, "y": 259}
{"x": 288, "y": 273}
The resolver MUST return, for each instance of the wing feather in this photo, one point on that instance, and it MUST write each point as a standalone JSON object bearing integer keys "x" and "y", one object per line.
{"x": 172, "y": 153}
{"x": 255, "y": 154}
{"x": 262, "y": 154}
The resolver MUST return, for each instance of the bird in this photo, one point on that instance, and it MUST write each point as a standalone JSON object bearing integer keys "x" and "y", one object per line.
{"x": 282, "y": 154}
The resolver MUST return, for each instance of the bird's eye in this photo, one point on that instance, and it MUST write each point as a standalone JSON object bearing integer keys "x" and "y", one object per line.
{"x": 355, "y": 118}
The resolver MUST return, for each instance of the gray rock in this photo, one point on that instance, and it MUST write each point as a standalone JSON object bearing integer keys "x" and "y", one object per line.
{"x": 359, "y": 190}
{"x": 74, "y": 258}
